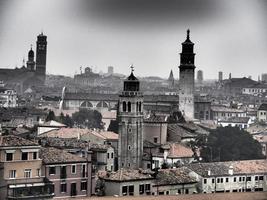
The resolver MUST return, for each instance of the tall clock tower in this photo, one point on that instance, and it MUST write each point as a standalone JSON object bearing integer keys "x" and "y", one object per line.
{"x": 130, "y": 117}
{"x": 41, "y": 49}
{"x": 187, "y": 78}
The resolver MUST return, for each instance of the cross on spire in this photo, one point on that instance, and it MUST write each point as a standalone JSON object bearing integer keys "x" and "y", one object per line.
{"x": 132, "y": 68}
{"x": 31, "y": 46}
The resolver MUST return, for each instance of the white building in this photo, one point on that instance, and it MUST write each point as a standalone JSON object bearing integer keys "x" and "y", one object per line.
{"x": 262, "y": 112}
{"x": 241, "y": 122}
{"x": 232, "y": 176}
{"x": 8, "y": 98}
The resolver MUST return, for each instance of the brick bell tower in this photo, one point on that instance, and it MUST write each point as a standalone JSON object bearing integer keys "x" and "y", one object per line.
{"x": 41, "y": 49}
{"x": 130, "y": 117}
{"x": 187, "y": 78}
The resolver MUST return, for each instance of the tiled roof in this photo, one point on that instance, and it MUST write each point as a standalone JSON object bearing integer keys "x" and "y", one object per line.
{"x": 174, "y": 176}
{"x": 222, "y": 168}
{"x": 179, "y": 150}
{"x": 124, "y": 174}
{"x": 154, "y": 118}
{"x": 14, "y": 141}
{"x": 263, "y": 107}
{"x": 235, "y": 120}
{"x": 226, "y": 109}
{"x": 52, "y": 155}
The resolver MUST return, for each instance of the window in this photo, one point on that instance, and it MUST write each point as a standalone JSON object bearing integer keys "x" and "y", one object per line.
{"x": 234, "y": 179}
{"x": 131, "y": 190}
{"x": 141, "y": 189}
{"x": 256, "y": 178}
{"x": 124, "y": 106}
{"x": 240, "y": 179}
{"x": 84, "y": 185}
{"x": 186, "y": 191}
{"x": 205, "y": 181}
{"x": 148, "y": 166}
{"x": 161, "y": 193}
{"x": 63, "y": 187}
{"x": 52, "y": 170}
{"x": 108, "y": 155}
{"x": 24, "y": 156}
{"x": 12, "y": 173}
{"x": 73, "y": 169}
{"x": 147, "y": 188}
{"x": 226, "y": 180}
{"x": 248, "y": 178}
{"x": 129, "y": 106}
{"x": 112, "y": 155}
{"x": 38, "y": 172}
{"x": 34, "y": 155}
{"x": 179, "y": 191}
{"x": 124, "y": 190}
{"x": 213, "y": 180}
{"x": 27, "y": 173}
{"x": 167, "y": 192}
{"x": 9, "y": 156}
{"x": 155, "y": 139}
{"x": 129, "y": 147}
{"x": 261, "y": 178}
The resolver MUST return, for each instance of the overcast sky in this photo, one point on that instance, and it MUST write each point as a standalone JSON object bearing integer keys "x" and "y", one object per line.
{"x": 229, "y": 35}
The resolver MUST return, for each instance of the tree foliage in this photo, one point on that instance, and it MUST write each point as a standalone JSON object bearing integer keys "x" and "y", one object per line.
{"x": 50, "y": 116}
{"x": 67, "y": 120}
{"x": 88, "y": 119}
{"x": 114, "y": 126}
{"x": 230, "y": 143}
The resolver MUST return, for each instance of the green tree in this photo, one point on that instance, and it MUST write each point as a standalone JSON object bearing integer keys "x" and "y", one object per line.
{"x": 50, "y": 116}
{"x": 114, "y": 126}
{"x": 88, "y": 118}
{"x": 230, "y": 143}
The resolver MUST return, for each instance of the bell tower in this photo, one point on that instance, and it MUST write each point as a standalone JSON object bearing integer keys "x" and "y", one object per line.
{"x": 30, "y": 62}
{"x": 41, "y": 48}
{"x": 187, "y": 78}
{"x": 130, "y": 117}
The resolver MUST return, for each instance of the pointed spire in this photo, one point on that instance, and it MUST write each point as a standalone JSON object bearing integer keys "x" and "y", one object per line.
{"x": 31, "y": 46}
{"x": 132, "y": 68}
{"x": 188, "y": 34}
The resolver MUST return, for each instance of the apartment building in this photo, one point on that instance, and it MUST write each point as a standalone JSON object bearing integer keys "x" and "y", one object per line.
{"x": 21, "y": 175}
{"x": 70, "y": 174}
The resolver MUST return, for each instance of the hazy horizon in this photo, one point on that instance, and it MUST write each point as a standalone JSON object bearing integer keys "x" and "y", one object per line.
{"x": 229, "y": 36}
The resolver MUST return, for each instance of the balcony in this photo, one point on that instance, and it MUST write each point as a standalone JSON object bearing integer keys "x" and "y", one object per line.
{"x": 34, "y": 192}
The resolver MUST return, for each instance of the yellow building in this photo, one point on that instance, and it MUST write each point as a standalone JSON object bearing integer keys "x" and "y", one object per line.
{"x": 20, "y": 170}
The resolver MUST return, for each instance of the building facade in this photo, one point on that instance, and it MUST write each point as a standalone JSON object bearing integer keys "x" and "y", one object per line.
{"x": 21, "y": 171}
{"x": 187, "y": 78}
{"x": 130, "y": 117}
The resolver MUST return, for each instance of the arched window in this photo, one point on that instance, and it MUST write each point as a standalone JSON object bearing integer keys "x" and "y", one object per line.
{"x": 124, "y": 106}
{"x": 129, "y": 106}
{"x": 140, "y": 107}
{"x": 137, "y": 104}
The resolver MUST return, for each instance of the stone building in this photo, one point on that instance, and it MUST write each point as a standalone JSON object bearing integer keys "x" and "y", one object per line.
{"x": 187, "y": 78}
{"x": 130, "y": 118}
{"x": 231, "y": 176}
{"x": 21, "y": 171}
{"x": 262, "y": 113}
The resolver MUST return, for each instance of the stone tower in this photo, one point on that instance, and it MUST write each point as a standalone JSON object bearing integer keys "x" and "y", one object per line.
{"x": 30, "y": 62}
{"x": 187, "y": 78}
{"x": 41, "y": 48}
{"x": 130, "y": 117}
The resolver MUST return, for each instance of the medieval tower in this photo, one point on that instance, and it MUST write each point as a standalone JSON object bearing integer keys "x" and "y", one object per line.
{"x": 41, "y": 47}
{"x": 187, "y": 78}
{"x": 130, "y": 117}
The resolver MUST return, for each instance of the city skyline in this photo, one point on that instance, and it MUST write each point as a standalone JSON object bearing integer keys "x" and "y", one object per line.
{"x": 228, "y": 36}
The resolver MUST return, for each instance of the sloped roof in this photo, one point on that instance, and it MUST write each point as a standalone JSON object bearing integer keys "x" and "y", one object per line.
{"x": 222, "y": 168}
{"x": 174, "y": 176}
{"x": 15, "y": 141}
{"x": 263, "y": 107}
{"x": 52, "y": 155}
{"x": 235, "y": 120}
{"x": 124, "y": 174}
{"x": 53, "y": 123}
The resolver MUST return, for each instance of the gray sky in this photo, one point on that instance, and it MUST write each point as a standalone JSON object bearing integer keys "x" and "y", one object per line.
{"x": 230, "y": 36}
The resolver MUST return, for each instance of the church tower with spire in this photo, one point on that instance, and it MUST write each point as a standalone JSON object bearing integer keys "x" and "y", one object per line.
{"x": 187, "y": 78}
{"x": 130, "y": 117}
{"x": 30, "y": 62}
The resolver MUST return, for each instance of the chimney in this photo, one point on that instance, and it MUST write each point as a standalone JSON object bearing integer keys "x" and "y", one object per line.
{"x": 209, "y": 172}
{"x": 231, "y": 170}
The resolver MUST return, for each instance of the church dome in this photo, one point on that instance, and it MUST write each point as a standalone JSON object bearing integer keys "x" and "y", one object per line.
{"x": 31, "y": 53}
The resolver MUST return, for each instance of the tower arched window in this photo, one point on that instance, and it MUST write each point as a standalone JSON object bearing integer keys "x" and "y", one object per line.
{"x": 137, "y": 105}
{"x": 124, "y": 106}
{"x": 140, "y": 107}
{"x": 129, "y": 106}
